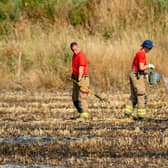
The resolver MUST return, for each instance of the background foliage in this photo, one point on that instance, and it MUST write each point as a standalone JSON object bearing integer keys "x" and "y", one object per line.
{"x": 109, "y": 31}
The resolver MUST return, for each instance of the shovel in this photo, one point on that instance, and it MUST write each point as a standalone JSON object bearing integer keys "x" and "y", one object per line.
{"x": 87, "y": 89}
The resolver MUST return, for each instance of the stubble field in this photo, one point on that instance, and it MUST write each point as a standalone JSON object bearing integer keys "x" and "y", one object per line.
{"x": 36, "y": 128}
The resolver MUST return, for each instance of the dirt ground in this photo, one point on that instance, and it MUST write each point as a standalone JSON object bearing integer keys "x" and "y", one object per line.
{"x": 37, "y": 128}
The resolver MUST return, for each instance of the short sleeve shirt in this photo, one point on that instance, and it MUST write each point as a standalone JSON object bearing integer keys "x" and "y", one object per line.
{"x": 140, "y": 57}
{"x": 77, "y": 61}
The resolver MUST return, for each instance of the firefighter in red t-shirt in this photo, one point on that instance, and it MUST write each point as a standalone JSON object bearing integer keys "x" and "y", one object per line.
{"x": 80, "y": 74}
{"x": 137, "y": 83}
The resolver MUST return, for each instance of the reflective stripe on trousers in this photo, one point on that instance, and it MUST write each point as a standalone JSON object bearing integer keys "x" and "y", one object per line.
{"x": 128, "y": 109}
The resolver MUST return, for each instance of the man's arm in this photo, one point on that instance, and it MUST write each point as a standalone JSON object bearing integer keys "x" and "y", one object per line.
{"x": 142, "y": 67}
{"x": 81, "y": 69}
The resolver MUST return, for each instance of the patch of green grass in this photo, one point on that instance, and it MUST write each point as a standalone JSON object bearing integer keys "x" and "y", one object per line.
{"x": 67, "y": 57}
{"x": 27, "y": 63}
{"x": 106, "y": 34}
{"x": 3, "y": 15}
{"x": 11, "y": 63}
{"x": 81, "y": 13}
{"x": 4, "y": 1}
{"x": 158, "y": 5}
{"x": 53, "y": 62}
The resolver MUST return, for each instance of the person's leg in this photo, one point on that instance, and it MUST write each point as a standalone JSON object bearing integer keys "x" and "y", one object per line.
{"x": 83, "y": 94}
{"x": 132, "y": 101}
{"x": 75, "y": 98}
{"x": 141, "y": 92}
{"x": 133, "y": 96}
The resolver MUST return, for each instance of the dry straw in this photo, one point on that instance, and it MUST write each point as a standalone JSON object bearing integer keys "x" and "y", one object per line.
{"x": 117, "y": 30}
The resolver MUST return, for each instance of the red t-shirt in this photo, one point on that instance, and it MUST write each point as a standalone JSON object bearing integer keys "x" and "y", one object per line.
{"x": 140, "y": 57}
{"x": 77, "y": 61}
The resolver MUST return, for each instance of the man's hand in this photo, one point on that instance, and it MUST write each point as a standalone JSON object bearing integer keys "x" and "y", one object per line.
{"x": 84, "y": 89}
{"x": 151, "y": 66}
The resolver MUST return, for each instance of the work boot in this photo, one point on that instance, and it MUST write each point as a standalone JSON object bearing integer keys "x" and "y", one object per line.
{"x": 128, "y": 110}
{"x": 84, "y": 115}
{"x": 141, "y": 113}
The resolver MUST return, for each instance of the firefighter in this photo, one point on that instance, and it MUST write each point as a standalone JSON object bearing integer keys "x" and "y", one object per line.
{"x": 137, "y": 81}
{"x": 80, "y": 74}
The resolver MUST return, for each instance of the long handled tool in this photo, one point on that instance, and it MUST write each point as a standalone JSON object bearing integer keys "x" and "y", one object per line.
{"x": 87, "y": 89}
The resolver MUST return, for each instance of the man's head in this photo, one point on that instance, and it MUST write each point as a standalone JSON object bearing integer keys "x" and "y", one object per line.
{"x": 147, "y": 45}
{"x": 75, "y": 47}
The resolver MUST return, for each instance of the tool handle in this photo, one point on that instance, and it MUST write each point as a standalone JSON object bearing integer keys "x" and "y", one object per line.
{"x": 89, "y": 90}
{"x": 98, "y": 97}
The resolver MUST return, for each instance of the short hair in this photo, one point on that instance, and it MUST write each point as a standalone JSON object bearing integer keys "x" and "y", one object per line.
{"x": 73, "y": 44}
